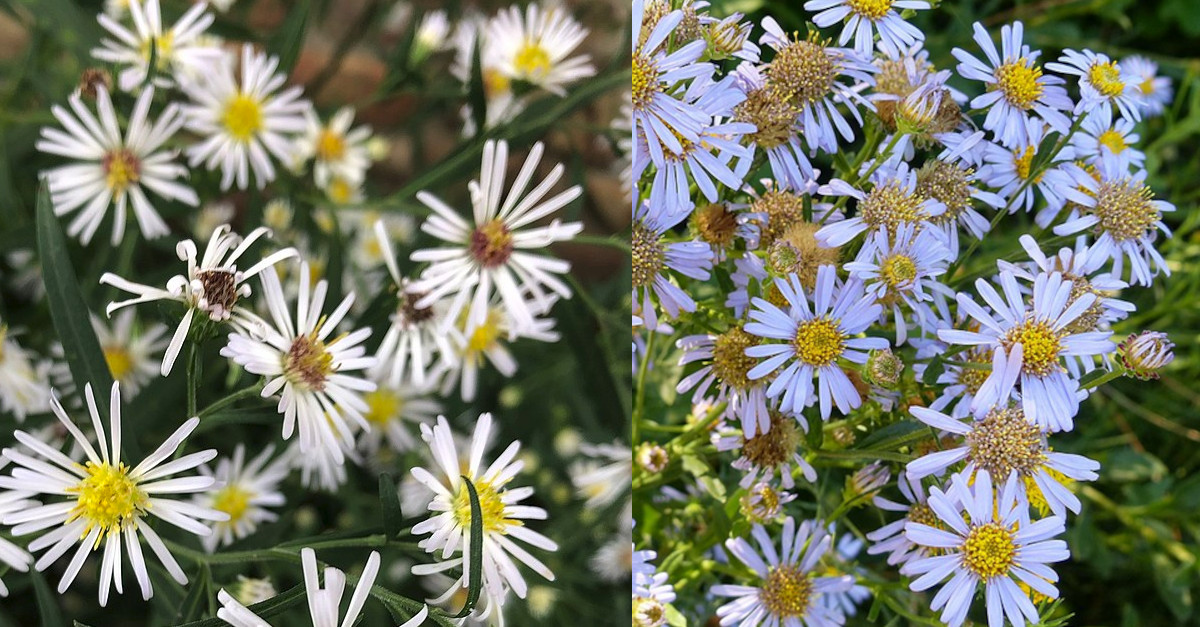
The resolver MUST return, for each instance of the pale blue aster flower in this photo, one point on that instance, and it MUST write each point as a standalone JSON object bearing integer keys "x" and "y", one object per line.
{"x": 996, "y": 545}
{"x": 705, "y": 162}
{"x": 777, "y": 128}
{"x": 864, "y": 18}
{"x": 893, "y": 200}
{"x": 1153, "y": 91}
{"x": 898, "y": 267}
{"x": 660, "y": 118}
{"x": 1101, "y": 82}
{"x": 810, "y": 72}
{"x": 956, "y": 185}
{"x": 1028, "y": 344}
{"x": 652, "y": 257}
{"x": 749, "y": 269}
{"x": 847, "y": 601}
{"x": 1009, "y": 171}
{"x": 1120, "y": 209}
{"x": 1015, "y": 85}
{"x": 814, "y": 339}
{"x": 781, "y": 575}
{"x": 1100, "y": 138}
{"x": 1005, "y": 442}
{"x": 725, "y": 365}
{"x": 890, "y": 538}
{"x": 782, "y": 432}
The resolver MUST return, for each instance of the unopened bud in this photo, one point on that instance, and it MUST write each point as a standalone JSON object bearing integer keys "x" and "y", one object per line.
{"x": 1144, "y": 354}
{"x": 762, "y": 503}
{"x": 870, "y": 479}
{"x": 727, "y": 37}
{"x": 93, "y": 78}
{"x": 652, "y": 457}
{"x": 883, "y": 368}
{"x": 648, "y": 612}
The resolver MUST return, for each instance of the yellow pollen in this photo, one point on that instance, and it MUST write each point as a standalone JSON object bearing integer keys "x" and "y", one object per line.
{"x": 871, "y": 9}
{"x": 1019, "y": 82}
{"x": 1023, "y": 162}
{"x": 1113, "y": 140}
{"x": 989, "y": 550}
{"x": 532, "y": 60}
{"x": 121, "y": 170}
{"x": 776, "y": 445}
{"x": 307, "y": 363}
{"x": 644, "y": 81}
{"x": 1126, "y": 210}
{"x": 120, "y": 362}
{"x": 495, "y": 83}
{"x": 339, "y": 190}
{"x": 975, "y": 370}
{"x": 1040, "y": 346}
{"x": 898, "y": 271}
{"x": 485, "y": 336}
{"x": 649, "y": 256}
{"x": 232, "y": 500}
{"x": 107, "y": 498}
{"x": 491, "y": 507}
{"x": 922, "y": 513}
{"x": 1004, "y": 441}
{"x": 1106, "y": 78}
{"x": 331, "y": 146}
{"x": 1147, "y": 86}
{"x": 243, "y": 117}
{"x": 382, "y": 405}
{"x": 729, "y": 362}
{"x": 891, "y": 205}
{"x": 819, "y": 341}
{"x": 786, "y": 592}
{"x": 165, "y": 44}
{"x": 492, "y": 243}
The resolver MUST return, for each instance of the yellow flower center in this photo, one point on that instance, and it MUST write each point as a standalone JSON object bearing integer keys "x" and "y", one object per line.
{"x": 975, "y": 369}
{"x": 948, "y": 183}
{"x": 382, "y": 405}
{"x": 243, "y": 117}
{"x": 121, "y": 170}
{"x": 331, "y": 145}
{"x": 898, "y": 271}
{"x": 648, "y": 612}
{"x": 107, "y": 498}
{"x": 773, "y": 117}
{"x": 1113, "y": 140}
{"x": 232, "y": 500}
{"x": 1040, "y": 346}
{"x": 922, "y": 513}
{"x": 1147, "y": 86}
{"x": 805, "y": 70}
{"x": 1019, "y": 82}
{"x": 486, "y": 335}
{"x": 871, "y": 9}
{"x": 165, "y": 44}
{"x": 649, "y": 256}
{"x": 491, "y": 508}
{"x": 989, "y": 550}
{"x": 1126, "y": 210}
{"x": 339, "y": 190}
{"x": 1023, "y": 162}
{"x": 644, "y": 81}
{"x": 1106, "y": 78}
{"x": 786, "y": 592}
{"x": 532, "y": 60}
{"x": 307, "y": 363}
{"x": 819, "y": 341}
{"x": 120, "y": 362}
{"x": 492, "y": 243}
{"x": 495, "y": 83}
{"x": 776, "y": 445}
{"x": 730, "y": 362}
{"x": 891, "y": 205}
{"x": 1005, "y": 441}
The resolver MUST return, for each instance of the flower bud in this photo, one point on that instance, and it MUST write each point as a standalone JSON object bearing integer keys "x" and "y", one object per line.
{"x": 1144, "y": 354}
{"x": 870, "y": 479}
{"x": 652, "y": 457}
{"x": 883, "y": 368}
{"x": 762, "y": 503}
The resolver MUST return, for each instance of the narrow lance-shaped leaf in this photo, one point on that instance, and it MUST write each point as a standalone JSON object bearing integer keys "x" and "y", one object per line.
{"x": 68, "y": 312}
{"x": 474, "y": 555}
{"x": 389, "y": 499}
{"x": 49, "y": 613}
{"x": 289, "y": 39}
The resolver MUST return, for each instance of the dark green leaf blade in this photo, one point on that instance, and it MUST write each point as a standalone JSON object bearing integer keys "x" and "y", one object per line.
{"x": 196, "y": 601}
{"x": 49, "y": 612}
{"x": 389, "y": 499}
{"x": 68, "y": 312}
{"x": 287, "y": 42}
{"x": 476, "y": 92}
{"x": 474, "y": 555}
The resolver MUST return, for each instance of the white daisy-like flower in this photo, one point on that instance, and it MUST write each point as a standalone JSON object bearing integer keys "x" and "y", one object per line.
{"x": 894, "y": 199}
{"x": 606, "y": 476}
{"x": 243, "y": 491}
{"x": 107, "y": 502}
{"x": 1015, "y": 85}
{"x": 213, "y": 286}
{"x": 1101, "y": 83}
{"x": 324, "y": 604}
{"x": 726, "y": 365}
{"x": 391, "y": 412}
{"x": 414, "y": 339}
{"x": 112, "y": 169}
{"x": 130, "y": 352}
{"x": 1153, "y": 91}
{"x": 1028, "y": 344}
{"x": 898, "y": 267}
{"x": 180, "y": 51}
{"x": 23, "y": 388}
{"x": 11, "y": 555}
{"x": 1009, "y": 169}
{"x": 864, "y": 17}
{"x": 307, "y": 366}
{"x": 776, "y": 450}
{"x": 492, "y": 254}
{"x": 1004, "y": 442}
{"x": 244, "y": 121}
{"x": 809, "y": 341}
{"x": 999, "y": 547}
{"x": 338, "y": 151}
{"x": 488, "y": 344}
{"x": 536, "y": 47}
{"x": 504, "y": 517}
{"x": 787, "y": 592}
{"x": 613, "y": 561}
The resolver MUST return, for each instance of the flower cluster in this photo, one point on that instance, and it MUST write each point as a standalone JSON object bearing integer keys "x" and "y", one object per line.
{"x": 810, "y": 206}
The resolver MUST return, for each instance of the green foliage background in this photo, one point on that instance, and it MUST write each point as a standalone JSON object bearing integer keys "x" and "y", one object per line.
{"x": 1136, "y": 544}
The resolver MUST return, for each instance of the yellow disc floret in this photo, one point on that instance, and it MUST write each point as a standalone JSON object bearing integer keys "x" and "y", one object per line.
{"x": 1040, "y": 346}
{"x": 1106, "y": 78}
{"x": 989, "y": 551}
{"x": 1019, "y": 82}
{"x": 243, "y": 117}
{"x": 871, "y": 9}
{"x": 819, "y": 341}
{"x": 532, "y": 60}
{"x": 107, "y": 498}
{"x": 232, "y": 500}
{"x": 491, "y": 508}
{"x": 786, "y": 592}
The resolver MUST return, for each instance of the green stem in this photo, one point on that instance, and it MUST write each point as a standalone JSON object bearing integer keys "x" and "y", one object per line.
{"x": 193, "y": 377}
{"x": 640, "y": 403}
{"x": 217, "y": 406}
{"x": 598, "y": 240}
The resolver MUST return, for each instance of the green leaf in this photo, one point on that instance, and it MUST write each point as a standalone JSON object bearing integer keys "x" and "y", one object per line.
{"x": 49, "y": 613}
{"x": 1173, "y": 587}
{"x": 895, "y": 435}
{"x": 475, "y": 552}
{"x": 289, "y": 39}
{"x": 389, "y": 499}
{"x": 199, "y": 593}
{"x": 476, "y": 95}
{"x": 68, "y": 312}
